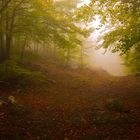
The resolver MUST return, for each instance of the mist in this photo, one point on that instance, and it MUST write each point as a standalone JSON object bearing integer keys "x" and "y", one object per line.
{"x": 110, "y": 62}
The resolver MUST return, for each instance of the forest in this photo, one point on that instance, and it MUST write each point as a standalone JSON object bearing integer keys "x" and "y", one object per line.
{"x": 51, "y": 85}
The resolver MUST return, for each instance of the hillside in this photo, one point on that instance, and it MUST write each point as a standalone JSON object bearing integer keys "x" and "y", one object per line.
{"x": 72, "y": 104}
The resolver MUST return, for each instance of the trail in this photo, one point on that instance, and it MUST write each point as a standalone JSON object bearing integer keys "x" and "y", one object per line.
{"x": 71, "y": 105}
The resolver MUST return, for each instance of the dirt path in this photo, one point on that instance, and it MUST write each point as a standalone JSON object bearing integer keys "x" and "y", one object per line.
{"x": 74, "y": 105}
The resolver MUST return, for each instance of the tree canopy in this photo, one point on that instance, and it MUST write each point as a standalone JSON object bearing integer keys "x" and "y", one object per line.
{"x": 37, "y": 21}
{"x": 28, "y": 24}
{"x": 124, "y": 23}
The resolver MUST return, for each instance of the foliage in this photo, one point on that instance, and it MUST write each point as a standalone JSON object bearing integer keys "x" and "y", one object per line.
{"x": 122, "y": 17}
{"x": 37, "y": 24}
{"x": 12, "y": 75}
{"x": 114, "y": 105}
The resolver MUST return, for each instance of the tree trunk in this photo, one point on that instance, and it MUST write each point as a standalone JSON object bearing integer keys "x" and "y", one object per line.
{"x": 9, "y": 34}
{"x": 2, "y": 52}
{"x": 8, "y": 39}
{"x": 68, "y": 57}
{"x": 4, "y": 5}
{"x": 23, "y": 49}
{"x": 8, "y": 46}
{"x": 82, "y": 57}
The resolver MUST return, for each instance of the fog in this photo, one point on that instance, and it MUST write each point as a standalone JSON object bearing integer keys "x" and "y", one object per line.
{"x": 110, "y": 62}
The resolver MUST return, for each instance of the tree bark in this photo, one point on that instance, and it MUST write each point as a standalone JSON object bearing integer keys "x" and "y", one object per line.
{"x": 5, "y": 5}
{"x": 2, "y": 52}
{"x": 23, "y": 49}
{"x": 10, "y": 19}
{"x": 9, "y": 33}
{"x": 82, "y": 57}
{"x": 68, "y": 56}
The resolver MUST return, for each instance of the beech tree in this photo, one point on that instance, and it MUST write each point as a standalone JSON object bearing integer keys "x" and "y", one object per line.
{"x": 124, "y": 23}
{"x": 28, "y": 22}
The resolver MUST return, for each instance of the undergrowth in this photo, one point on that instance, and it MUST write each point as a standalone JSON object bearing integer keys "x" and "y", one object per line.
{"x": 115, "y": 105}
{"x": 14, "y": 76}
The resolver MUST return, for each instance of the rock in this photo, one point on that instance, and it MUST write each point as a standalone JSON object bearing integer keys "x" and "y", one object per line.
{"x": 51, "y": 81}
{"x": 11, "y": 99}
{"x": 1, "y": 102}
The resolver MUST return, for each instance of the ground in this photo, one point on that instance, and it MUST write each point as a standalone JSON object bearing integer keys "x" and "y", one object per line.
{"x": 73, "y": 104}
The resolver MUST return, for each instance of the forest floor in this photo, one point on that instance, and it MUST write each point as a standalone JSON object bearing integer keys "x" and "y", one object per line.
{"x": 73, "y": 104}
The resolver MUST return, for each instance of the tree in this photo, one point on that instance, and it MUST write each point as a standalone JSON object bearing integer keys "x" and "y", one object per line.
{"x": 123, "y": 18}
{"x": 4, "y": 5}
{"x": 28, "y": 22}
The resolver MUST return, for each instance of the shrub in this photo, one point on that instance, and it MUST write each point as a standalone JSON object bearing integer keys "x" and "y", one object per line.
{"x": 15, "y": 76}
{"x": 114, "y": 105}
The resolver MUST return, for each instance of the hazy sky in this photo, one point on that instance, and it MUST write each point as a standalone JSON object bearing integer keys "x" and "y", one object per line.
{"x": 82, "y": 2}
